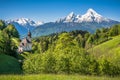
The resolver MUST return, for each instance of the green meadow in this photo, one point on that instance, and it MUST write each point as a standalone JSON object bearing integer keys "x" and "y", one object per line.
{"x": 110, "y": 49}
{"x": 55, "y": 77}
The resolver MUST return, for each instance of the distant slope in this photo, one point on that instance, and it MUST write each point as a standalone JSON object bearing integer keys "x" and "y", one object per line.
{"x": 9, "y": 64}
{"x": 109, "y": 50}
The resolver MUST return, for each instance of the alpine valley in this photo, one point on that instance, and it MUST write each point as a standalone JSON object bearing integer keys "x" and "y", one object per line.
{"x": 90, "y": 21}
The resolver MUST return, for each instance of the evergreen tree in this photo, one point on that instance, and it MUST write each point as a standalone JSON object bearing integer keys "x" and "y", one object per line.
{"x": 2, "y": 25}
{"x": 11, "y": 31}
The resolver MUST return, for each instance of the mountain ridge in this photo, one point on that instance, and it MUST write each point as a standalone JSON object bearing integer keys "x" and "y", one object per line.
{"x": 25, "y": 21}
{"x": 90, "y": 16}
{"x": 90, "y": 21}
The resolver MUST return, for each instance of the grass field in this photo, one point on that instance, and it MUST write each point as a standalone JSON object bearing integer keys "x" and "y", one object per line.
{"x": 55, "y": 77}
{"x": 109, "y": 49}
{"x": 9, "y": 64}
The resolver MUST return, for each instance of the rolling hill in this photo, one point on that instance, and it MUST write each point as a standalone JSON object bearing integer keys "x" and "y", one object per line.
{"x": 9, "y": 65}
{"x": 109, "y": 50}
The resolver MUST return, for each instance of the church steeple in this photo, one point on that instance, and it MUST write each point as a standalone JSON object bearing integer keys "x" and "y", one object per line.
{"x": 29, "y": 33}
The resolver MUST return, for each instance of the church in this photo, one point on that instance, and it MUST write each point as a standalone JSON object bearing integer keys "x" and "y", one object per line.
{"x": 25, "y": 44}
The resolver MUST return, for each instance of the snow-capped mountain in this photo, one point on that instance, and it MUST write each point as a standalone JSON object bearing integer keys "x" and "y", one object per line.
{"x": 89, "y": 21}
{"x": 90, "y": 16}
{"x": 23, "y": 24}
{"x": 69, "y": 18}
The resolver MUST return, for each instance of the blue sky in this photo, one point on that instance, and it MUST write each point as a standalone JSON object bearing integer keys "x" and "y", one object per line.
{"x": 51, "y": 10}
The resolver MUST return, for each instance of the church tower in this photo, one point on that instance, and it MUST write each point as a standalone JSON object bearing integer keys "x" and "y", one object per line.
{"x": 29, "y": 34}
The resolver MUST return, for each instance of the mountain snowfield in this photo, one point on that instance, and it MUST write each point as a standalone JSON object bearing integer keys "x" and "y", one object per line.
{"x": 90, "y": 21}
{"x": 89, "y": 16}
{"x": 25, "y": 22}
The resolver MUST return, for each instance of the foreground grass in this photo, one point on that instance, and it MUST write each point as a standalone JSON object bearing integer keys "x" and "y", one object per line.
{"x": 55, "y": 77}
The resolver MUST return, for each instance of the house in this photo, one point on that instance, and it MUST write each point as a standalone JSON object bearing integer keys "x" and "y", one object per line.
{"x": 25, "y": 44}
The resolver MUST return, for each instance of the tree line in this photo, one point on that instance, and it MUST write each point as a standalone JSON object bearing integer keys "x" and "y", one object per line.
{"x": 7, "y": 33}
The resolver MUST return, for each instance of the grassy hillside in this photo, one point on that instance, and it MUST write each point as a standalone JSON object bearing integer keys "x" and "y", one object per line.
{"x": 109, "y": 50}
{"x": 54, "y": 77}
{"x": 9, "y": 64}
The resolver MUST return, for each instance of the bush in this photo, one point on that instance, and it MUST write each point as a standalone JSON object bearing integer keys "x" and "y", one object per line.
{"x": 33, "y": 64}
{"x": 108, "y": 67}
{"x": 68, "y": 61}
